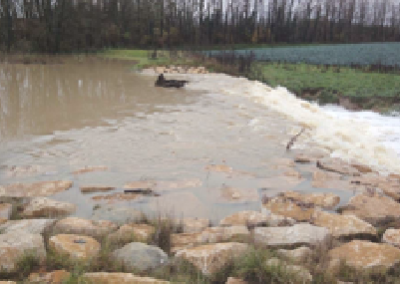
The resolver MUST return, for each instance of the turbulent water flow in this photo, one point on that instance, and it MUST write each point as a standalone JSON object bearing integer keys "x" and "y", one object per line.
{"x": 364, "y": 137}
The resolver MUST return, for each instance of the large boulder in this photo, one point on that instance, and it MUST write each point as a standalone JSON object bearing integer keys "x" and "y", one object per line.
{"x": 45, "y": 207}
{"x": 373, "y": 208}
{"x": 120, "y": 278}
{"x": 116, "y": 214}
{"x": 392, "y": 237}
{"x": 140, "y": 257}
{"x": 79, "y": 226}
{"x": 32, "y": 226}
{"x": 290, "y": 208}
{"x": 75, "y": 247}
{"x": 212, "y": 257}
{"x": 297, "y": 235}
{"x": 324, "y": 200}
{"x": 346, "y": 226}
{"x": 5, "y": 210}
{"x": 17, "y": 244}
{"x": 42, "y": 188}
{"x": 366, "y": 255}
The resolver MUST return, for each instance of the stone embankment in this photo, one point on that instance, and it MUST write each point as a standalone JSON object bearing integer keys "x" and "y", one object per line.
{"x": 364, "y": 233}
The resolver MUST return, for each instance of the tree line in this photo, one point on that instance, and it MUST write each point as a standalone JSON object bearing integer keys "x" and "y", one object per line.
{"x": 73, "y": 25}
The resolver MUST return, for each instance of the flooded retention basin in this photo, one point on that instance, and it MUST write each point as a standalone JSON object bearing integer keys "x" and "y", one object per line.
{"x": 208, "y": 150}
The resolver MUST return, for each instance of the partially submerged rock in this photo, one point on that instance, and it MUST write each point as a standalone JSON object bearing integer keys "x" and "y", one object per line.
{"x": 140, "y": 257}
{"x": 245, "y": 218}
{"x": 15, "y": 245}
{"x": 119, "y": 215}
{"x": 117, "y": 277}
{"x": 76, "y": 247}
{"x": 90, "y": 170}
{"x": 37, "y": 189}
{"x": 343, "y": 226}
{"x": 31, "y": 226}
{"x": 45, "y": 207}
{"x": 95, "y": 188}
{"x": 294, "y": 236}
{"x": 288, "y": 207}
{"x": 329, "y": 180}
{"x": 337, "y": 166}
{"x": 212, "y": 257}
{"x": 366, "y": 255}
{"x": 324, "y": 200}
{"x": 5, "y": 210}
{"x": 373, "y": 208}
{"x": 237, "y": 195}
{"x": 119, "y": 196}
{"x": 79, "y": 226}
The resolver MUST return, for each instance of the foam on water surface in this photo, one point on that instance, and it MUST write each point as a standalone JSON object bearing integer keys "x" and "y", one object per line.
{"x": 363, "y": 137}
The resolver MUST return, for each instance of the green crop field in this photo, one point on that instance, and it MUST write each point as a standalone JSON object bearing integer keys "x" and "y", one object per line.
{"x": 341, "y": 54}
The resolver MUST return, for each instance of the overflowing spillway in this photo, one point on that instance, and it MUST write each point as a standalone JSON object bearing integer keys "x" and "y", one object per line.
{"x": 363, "y": 137}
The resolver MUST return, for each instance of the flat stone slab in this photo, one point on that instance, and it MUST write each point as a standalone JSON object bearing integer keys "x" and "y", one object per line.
{"x": 5, "y": 210}
{"x": 89, "y": 169}
{"x": 116, "y": 278}
{"x": 373, "y": 208}
{"x": 14, "y": 245}
{"x": 75, "y": 247}
{"x": 79, "y": 226}
{"x": 140, "y": 257}
{"x": 366, "y": 255}
{"x": 329, "y": 180}
{"x": 116, "y": 214}
{"x": 37, "y": 189}
{"x": 324, "y": 200}
{"x": 343, "y": 225}
{"x": 212, "y": 257}
{"x": 45, "y": 207}
{"x": 32, "y": 226}
{"x": 297, "y": 235}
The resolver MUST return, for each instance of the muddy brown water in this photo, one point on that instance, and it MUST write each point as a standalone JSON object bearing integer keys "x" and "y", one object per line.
{"x": 55, "y": 119}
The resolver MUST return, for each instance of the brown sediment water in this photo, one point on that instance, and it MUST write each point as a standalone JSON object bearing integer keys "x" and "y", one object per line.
{"x": 58, "y": 119}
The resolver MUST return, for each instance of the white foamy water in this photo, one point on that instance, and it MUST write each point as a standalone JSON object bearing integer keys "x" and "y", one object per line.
{"x": 364, "y": 137}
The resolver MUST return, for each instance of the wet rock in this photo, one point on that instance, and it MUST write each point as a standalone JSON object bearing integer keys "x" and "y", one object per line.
{"x": 389, "y": 186}
{"x": 140, "y": 257}
{"x": 119, "y": 196}
{"x": 297, "y": 235}
{"x": 15, "y": 245}
{"x": 373, "y": 208}
{"x": 95, "y": 188}
{"x": 245, "y": 218}
{"x": 232, "y": 280}
{"x": 238, "y": 195}
{"x": 194, "y": 225}
{"x": 343, "y": 225}
{"x": 5, "y": 210}
{"x": 337, "y": 166}
{"x": 212, "y": 257}
{"x": 116, "y": 278}
{"x": 304, "y": 159}
{"x": 324, "y": 200}
{"x": 79, "y": 226}
{"x": 31, "y": 226}
{"x": 132, "y": 232}
{"x": 119, "y": 215}
{"x": 366, "y": 255}
{"x": 37, "y": 189}
{"x": 299, "y": 272}
{"x": 86, "y": 170}
{"x": 329, "y": 180}
{"x": 45, "y": 207}
{"x": 392, "y": 237}
{"x": 298, "y": 255}
{"x": 76, "y": 247}
{"x": 364, "y": 169}
{"x": 54, "y": 277}
{"x": 288, "y": 207}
